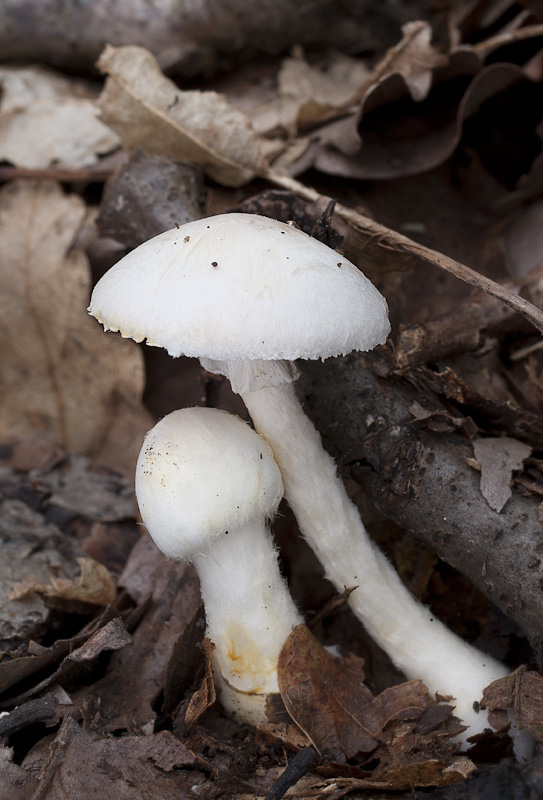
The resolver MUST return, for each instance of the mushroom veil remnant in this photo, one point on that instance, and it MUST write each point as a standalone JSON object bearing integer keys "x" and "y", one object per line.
{"x": 249, "y": 295}
{"x": 206, "y": 485}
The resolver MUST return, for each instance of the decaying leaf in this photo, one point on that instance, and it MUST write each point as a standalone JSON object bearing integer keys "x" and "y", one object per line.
{"x": 150, "y": 113}
{"x": 310, "y": 93}
{"x": 32, "y": 657}
{"x": 204, "y": 697}
{"x": 45, "y": 120}
{"x": 90, "y": 767}
{"x": 394, "y": 136}
{"x": 90, "y": 493}
{"x": 32, "y": 552}
{"x": 499, "y": 458}
{"x": 522, "y": 691}
{"x": 109, "y": 638}
{"x": 327, "y": 698}
{"x": 127, "y": 697}
{"x": 16, "y": 781}
{"x": 95, "y": 585}
{"x": 61, "y": 373}
{"x": 414, "y": 58}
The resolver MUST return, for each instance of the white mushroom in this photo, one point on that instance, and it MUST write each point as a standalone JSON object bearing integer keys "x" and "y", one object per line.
{"x": 206, "y": 485}
{"x": 248, "y": 295}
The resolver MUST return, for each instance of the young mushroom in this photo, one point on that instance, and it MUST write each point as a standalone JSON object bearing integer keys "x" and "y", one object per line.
{"x": 248, "y": 295}
{"x": 206, "y": 486}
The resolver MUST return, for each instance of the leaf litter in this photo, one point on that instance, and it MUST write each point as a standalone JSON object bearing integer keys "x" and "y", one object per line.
{"x": 62, "y": 375}
{"x": 115, "y": 716}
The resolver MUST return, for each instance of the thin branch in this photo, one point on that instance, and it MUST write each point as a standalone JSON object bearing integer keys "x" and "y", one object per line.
{"x": 529, "y": 32}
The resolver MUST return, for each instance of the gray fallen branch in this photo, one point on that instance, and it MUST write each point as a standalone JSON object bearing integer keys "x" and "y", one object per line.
{"x": 190, "y": 36}
{"x": 422, "y": 481}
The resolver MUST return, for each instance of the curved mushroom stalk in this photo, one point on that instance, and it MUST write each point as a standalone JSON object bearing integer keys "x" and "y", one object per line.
{"x": 206, "y": 485}
{"x": 419, "y": 644}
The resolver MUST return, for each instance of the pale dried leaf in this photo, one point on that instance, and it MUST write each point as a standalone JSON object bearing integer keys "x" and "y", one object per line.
{"x": 150, "y": 113}
{"x": 498, "y": 458}
{"x": 44, "y": 121}
{"x": 63, "y": 374}
{"x": 414, "y": 59}
{"x": 23, "y": 86}
{"x": 309, "y": 93}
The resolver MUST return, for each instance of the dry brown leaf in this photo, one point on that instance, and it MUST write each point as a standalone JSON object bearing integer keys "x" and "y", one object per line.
{"x": 126, "y": 767}
{"x": 150, "y": 113}
{"x": 44, "y": 122}
{"x": 16, "y": 781}
{"x": 32, "y": 551}
{"x": 95, "y": 585}
{"x": 204, "y": 697}
{"x": 522, "y": 690}
{"x": 327, "y": 698}
{"x": 138, "y": 679}
{"x": 60, "y": 372}
{"x": 498, "y": 458}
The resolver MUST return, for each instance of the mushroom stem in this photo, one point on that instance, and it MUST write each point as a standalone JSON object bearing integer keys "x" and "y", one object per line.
{"x": 418, "y": 643}
{"x": 206, "y": 484}
{"x": 249, "y": 616}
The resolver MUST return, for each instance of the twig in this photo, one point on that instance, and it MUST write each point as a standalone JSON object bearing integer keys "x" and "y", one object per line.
{"x": 392, "y": 240}
{"x": 529, "y": 32}
{"x": 302, "y": 763}
{"x": 56, "y": 757}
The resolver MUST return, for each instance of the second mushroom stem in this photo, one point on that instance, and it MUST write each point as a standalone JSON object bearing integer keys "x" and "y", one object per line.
{"x": 249, "y": 615}
{"x": 418, "y": 643}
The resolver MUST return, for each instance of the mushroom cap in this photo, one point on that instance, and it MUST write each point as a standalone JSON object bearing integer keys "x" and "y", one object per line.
{"x": 201, "y": 473}
{"x": 241, "y": 286}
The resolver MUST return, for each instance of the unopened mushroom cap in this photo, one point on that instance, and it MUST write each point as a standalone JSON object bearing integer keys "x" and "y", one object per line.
{"x": 241, "y": 286}
{"x": 202, "y": 473}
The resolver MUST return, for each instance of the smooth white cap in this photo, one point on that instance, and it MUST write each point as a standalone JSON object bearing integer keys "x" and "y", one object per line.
{"x": 241, "y": 286}
{"x": 202, "y": 472}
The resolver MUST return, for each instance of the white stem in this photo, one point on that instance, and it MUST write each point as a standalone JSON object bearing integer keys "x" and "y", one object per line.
{"x": 250, "y": 613}
{"x": 418, "y": 644}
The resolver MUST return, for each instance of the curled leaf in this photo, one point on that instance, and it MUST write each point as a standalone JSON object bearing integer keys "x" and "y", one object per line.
{"x": 150, "y": 113}
{"x": 95, "y": 585}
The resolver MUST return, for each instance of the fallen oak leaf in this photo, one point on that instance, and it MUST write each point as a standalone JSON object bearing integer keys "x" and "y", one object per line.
{"x": 149, "y": 112}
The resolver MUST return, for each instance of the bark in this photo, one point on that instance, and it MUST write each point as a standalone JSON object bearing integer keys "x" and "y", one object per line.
{"x": 422, "y": 480}
{"x": 191, "y": 36}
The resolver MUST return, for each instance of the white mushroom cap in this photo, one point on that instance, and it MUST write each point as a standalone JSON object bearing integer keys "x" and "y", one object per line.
{"x": 241, "y": 286}
{"x": 200, "y": 473}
